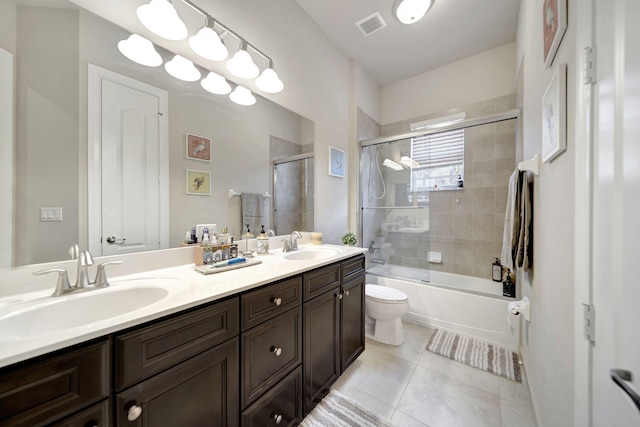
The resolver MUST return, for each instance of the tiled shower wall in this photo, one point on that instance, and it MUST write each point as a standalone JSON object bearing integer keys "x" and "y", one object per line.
{"x": 466, "y": 225}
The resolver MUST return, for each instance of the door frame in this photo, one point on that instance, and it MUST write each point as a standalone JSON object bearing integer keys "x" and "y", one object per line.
{"x": 7, "y": 119}
{"x": 584, "y": 222}
{"x": 95, "y": 76}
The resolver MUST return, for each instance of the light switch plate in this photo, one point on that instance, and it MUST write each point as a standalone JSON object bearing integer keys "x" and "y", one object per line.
{"x": 50, "y": 214}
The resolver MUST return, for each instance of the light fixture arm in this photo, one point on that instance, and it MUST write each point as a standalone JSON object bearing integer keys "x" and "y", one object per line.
{"x": 212, "y": 21}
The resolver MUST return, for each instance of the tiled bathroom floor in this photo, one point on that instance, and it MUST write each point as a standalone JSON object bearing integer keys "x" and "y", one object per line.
{"x": 413, "y": 387}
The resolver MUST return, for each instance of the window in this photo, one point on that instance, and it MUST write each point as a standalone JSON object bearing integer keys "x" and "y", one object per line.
{"x": 438, "y": 161}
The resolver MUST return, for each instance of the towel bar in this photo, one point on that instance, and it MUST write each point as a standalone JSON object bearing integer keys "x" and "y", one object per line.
{"x": 531, "y": 165}
{"x": 233, "y": 194}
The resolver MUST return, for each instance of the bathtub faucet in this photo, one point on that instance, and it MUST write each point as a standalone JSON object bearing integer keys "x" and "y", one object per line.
{"x": 377, "y": 261}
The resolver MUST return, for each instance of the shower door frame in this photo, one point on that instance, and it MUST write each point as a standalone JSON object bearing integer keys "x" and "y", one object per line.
{"x": 274, "y": 178}
{"x": 462, "y": 124}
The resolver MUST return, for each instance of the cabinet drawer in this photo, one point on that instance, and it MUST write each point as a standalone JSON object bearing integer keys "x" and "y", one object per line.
{"x": 202, "y": 391}
{"x": 265, "y": 303}
{"x": 269, "y": 352}
{"x": 97, "y": 415}
{"x": 352, "y": 266}
{"x": 282, "y": 405}
{"x": 320, "y": 280}
{"x": 147, "y": 351}
{"x": 48, "y": 390}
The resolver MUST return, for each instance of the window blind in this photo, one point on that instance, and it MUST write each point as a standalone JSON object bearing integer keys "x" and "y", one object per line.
{"x": 439, "y": 150}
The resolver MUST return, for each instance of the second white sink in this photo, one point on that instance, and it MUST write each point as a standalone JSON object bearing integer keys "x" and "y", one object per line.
{"x": 306, "y": 254}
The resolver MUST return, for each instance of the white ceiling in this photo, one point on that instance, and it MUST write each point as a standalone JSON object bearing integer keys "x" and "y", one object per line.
{"x": 450, "y": 31}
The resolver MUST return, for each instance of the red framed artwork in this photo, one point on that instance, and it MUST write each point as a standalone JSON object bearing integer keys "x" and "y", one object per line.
{"x": 554, "y": 23}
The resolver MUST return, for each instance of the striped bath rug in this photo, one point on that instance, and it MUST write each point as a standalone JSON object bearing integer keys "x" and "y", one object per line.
{"x": 490, "y": 357}
{"x": 337, "y": 410}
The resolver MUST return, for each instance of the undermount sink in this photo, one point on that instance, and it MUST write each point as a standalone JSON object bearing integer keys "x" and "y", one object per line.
{"x": 306, "y": 254}
{"x": 54, "y": 314}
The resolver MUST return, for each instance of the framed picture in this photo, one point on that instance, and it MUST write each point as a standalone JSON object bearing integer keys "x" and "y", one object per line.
{"x": 198, "y": 147}
{"x": 336, "y": 162}
{"x": 198, "y": 182}
{"x": 554, "y": 23}
{"x": 554, "y": 112}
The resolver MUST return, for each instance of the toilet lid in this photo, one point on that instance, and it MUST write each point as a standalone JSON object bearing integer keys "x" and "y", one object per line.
{"x": 384, "y": 294}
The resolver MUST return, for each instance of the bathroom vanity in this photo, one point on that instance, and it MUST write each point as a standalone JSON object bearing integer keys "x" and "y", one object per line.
{"x": 263, "y": 354}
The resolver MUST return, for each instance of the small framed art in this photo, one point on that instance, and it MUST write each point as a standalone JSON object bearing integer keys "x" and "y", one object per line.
{"x": 554, "y": 22}
{"x": 198, "y": 182}
{"x": 198, "y": 147}
{"x": 554, "y": 115}
{"x": 336, "y": 162}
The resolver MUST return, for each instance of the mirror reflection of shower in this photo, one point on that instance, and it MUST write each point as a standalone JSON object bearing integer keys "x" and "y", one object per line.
{"x": 293, "y": 194}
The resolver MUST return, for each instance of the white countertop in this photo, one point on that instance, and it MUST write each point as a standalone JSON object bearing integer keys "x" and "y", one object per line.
{"x": 188, "y": 288}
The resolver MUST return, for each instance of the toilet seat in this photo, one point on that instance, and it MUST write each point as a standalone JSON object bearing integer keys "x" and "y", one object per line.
{"x": 385, "y": 294}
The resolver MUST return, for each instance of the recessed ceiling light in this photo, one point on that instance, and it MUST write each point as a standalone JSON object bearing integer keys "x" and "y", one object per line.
{"x": 411, "y": 11}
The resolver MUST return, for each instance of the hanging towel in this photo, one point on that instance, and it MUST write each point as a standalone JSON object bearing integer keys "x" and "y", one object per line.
{"x": 510, "y": 222}
{"x": 523, "y": 249}
{"x": 516, "y": 249}
{"x": 252, "y": 211}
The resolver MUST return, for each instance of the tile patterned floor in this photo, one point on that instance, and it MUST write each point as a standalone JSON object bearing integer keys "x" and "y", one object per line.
{"x": 413, "y": 387}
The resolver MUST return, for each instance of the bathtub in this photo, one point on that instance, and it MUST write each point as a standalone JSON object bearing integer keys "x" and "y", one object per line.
{"x": 468, "y": 305}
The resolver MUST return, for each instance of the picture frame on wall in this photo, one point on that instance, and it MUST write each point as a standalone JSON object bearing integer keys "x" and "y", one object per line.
{"x": 336, "y": 162}
{"x": 554, "y": 115}
{"x": 554, "y": 23}
{"x": 198, "y": 182}
{"x": 198, "y": 147}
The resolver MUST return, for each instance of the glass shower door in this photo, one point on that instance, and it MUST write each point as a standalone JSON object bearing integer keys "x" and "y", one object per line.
{"x": 293, "y": 192}
{"x": 395, "y": 212}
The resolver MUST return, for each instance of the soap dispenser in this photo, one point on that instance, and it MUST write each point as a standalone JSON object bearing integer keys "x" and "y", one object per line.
{"x": 508, "y": 287}
{"x": 262, "y": 242}
{"x": 496, "y": 272}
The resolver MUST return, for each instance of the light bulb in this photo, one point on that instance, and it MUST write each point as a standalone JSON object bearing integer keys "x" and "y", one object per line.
{"x": 241, "y": 65}
{"x": 207, "y": 44}
{"x": 269, "y": 81}
{"x": 140, "y": 50}
{"x": 242, "y": 96}
{"x": 411, "y": 11}
{"x": 183, "y": 69}
{"x": 215, "y": 83}
{"x": 161, "y": 18}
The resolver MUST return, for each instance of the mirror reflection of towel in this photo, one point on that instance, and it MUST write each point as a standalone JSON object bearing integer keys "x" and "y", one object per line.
{"x": 252, "y": 211}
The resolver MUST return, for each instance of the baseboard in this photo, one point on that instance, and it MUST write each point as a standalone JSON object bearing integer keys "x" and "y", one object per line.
{"x": 532, "y": 395}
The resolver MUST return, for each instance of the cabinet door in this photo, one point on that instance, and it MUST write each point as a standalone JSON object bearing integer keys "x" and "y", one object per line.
{"x": 95, "y": 416}
{"x": 37, "y": 393}
{"x": 321, "y": 346}
{"x": 282, "y": 405}
{"x": 352, "y": 321}
{"x": 203, "y": 391}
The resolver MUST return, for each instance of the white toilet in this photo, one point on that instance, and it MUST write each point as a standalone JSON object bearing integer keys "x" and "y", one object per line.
{"x": 385, "y": 306}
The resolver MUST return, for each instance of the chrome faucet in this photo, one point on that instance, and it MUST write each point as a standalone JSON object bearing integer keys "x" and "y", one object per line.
{"x": 293, "y": 240}
{"x": 85, "y": 259}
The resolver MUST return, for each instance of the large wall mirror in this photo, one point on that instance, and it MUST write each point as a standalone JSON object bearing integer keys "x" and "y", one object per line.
{"x": 53, "y": 42}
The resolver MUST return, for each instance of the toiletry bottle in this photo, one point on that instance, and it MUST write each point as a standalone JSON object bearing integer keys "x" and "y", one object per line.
{"x": 205, "y": 238}
{"x": 194, "y": 238}
{"x": 496, "y": 271}
{"x": 508, "y": 287}
{"x": 187, "y": 238}
{"x": 262, "y": 242}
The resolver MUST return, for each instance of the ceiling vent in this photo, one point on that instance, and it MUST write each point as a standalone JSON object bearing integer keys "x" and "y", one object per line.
{"x": 371, "y": 24}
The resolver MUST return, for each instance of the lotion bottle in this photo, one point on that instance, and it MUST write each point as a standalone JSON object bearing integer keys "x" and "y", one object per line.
{"x": 262, "y": 242}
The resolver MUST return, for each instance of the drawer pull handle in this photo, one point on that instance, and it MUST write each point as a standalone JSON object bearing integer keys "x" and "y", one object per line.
{"x": 276, "y": 350}
{"x": 276, "y": 301}
{"x": 277, "y": 418}
{"x": 134, "y": 412}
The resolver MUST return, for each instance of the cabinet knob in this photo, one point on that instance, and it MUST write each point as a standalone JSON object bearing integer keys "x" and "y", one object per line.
{"x": 277, "y": 418}
{"x": 338, "y": 295}
{"x": 134, "y": 412}
{"x": 346, "y": 293}
{"x": 276, "y": 301}
{"x": 276, "y": 350}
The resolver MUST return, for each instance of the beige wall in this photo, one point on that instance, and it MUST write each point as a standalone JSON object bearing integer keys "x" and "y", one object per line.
{"x": 483, "y": 76}
{"x": 548, "y": 341}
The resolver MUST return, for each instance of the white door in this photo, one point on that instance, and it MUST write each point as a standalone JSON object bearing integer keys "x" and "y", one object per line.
{"x": 616, "y": 213}
{"x": 129, "y": 153}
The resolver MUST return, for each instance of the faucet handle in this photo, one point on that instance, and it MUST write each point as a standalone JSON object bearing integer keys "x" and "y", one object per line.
{"x": 101, "y": 276}
{"x": 62, "y": 286}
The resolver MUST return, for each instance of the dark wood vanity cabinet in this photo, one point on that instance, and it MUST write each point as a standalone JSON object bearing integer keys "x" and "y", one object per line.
{"x": 333, "y": 325}
{"x": 263, "y": 357}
